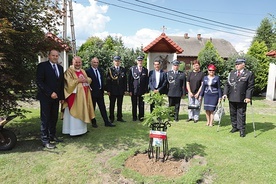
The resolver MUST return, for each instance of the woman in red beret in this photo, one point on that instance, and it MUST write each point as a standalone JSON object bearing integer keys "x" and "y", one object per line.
{"x": 211, "y": 91}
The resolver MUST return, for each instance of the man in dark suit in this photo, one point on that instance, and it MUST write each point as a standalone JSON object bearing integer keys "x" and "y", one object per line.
{"x": 138, "y": 80}
{"x": 157, "y": 80}
{"x": 116, "y": 87}
{"x": 97, "y": 86}
{"x": 176, "y": 87}
{"x": 238, "y": 89}
{"x": 50, "y": 82}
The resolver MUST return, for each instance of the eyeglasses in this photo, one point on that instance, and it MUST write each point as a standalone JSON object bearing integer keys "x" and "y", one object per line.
{"x": 211, "y": 70}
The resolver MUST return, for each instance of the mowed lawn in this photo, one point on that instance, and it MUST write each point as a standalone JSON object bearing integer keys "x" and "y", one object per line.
{"x": 99, "y": 155}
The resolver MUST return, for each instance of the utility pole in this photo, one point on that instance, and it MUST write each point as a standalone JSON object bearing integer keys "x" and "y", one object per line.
{"x": 64, "y": 34}
{"x": 74, "y": 50}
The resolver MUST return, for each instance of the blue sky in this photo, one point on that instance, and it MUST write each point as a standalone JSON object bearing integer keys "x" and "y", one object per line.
{"x": 96, "y": 18}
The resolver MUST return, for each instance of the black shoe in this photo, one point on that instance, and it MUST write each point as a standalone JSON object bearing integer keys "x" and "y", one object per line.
{"x": 195, "y": 121}
{"x": 242, "y": 133}
{"x": 176, "y": 120}
{"x": 141, "y": 119}
{"x": 110, "y": 125}
{"x": 121, "y": 120}
{"x": 134, "y": 119}
{"x": 55, "y": 139}
{"x": 189, "y": 120}
{"x": 111, "y": 120}
{"x": 94, "y": 125}
{"x": 49, "y": 146}
{"x": 234, "y": 130}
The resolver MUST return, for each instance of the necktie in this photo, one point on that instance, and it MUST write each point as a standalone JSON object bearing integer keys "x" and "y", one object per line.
{"x": 239, "y": 73}
{"x": 97, "y": 76}
{"x": 54, "y": 67}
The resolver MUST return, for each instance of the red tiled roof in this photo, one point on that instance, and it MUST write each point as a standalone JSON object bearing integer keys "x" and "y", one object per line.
{"x": 59, "y": 41}
{"x": 163, "y": 44}
{"x": 271, "y": 53}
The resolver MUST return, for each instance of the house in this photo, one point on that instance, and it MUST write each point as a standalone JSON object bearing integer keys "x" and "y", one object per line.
{"x": 271, "y": 81}
{"x": 55, "y": 42}
{"x": 185, "y": 48}
{"x": 162, "y": 48}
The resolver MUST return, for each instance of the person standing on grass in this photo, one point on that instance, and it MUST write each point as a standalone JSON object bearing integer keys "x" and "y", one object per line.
{"x": 194, "y": 85}
{"x": 116, "y": 87}
{"x": 78, "y": 107}
{"x": 138, "y": 80}
{"x": 211, "y": 91}
{"x": 97, "y": 86}
{"x": 157, "y": 80}
{"x": 176, "y": 87}
{"x": 239, "y": 89}
{"x": 50, "y": 83}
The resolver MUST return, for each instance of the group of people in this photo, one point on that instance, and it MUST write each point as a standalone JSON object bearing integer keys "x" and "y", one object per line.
{"x": 79, "y": 91}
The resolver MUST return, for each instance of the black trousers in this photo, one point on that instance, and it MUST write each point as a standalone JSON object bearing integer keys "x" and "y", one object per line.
{"x": 100, "y": 101}
{"x": 112, "y": 99}
{"x": 175, "y": 101}
{"x": 238, "y": 114}
{"x": 48, "y": 116}
{"x": 138, "y": 100}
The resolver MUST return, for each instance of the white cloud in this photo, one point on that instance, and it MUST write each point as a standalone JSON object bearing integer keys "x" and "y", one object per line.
{"x": 91, "y": 21}
{"x": 88, "y": 20}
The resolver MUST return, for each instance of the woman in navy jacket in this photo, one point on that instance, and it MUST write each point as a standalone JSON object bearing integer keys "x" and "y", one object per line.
{"x": 211, "y": 92}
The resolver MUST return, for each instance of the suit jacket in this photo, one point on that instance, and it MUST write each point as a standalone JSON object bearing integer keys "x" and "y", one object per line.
{"x": 213, "y": 88}
{"x": 138, "y": 81}
{"x": 176, "y": 83}
{"x": 116, "y": 81}
{"x": 238, "y": 88}
{"x": 48, "y": 82}
{"x": 162, "y": 86}
{"x": 97, "y": 90}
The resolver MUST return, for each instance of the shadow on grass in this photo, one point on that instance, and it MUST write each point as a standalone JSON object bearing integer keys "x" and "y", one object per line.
{"x": 260, "y": 127}
{"x": 188, "y": 152}
{"x": 122, "y": 137}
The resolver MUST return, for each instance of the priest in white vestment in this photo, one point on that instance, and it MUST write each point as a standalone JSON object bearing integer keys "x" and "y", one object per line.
{"x": 78, "y": 108}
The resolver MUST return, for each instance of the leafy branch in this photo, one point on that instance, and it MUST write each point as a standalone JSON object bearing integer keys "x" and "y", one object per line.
{"x": 161, "y": 112}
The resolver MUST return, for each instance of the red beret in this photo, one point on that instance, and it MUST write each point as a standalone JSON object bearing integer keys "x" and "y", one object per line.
{"x": 211, "y": 67}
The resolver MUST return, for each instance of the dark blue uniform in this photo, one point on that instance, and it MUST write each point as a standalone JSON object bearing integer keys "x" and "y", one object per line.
{"x": 116, "y": 84}
{"x": 176, "y": 89}
{"x": 237, "y": 88}
{"x": 138, "y": 85}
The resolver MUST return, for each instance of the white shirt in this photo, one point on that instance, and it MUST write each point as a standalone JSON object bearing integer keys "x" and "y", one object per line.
{"x": 157, "y": 78}
{"x": 99, "y": 76}
{"x": 55, "y": 65}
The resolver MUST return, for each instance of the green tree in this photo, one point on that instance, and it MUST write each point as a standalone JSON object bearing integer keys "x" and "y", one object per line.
{"x": 266, "y": 32}
{"x": 259, "y": 50}
{"x": 209, "y": 55}
{"x": 106, "y": 49}
{"x": 22, "y": 25}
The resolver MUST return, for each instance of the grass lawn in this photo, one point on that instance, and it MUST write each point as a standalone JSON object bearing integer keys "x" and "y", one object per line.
{"x": 99, "y": 155}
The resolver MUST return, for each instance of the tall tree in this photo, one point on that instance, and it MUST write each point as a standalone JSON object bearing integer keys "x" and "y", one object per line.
{"x": 259, "y": 50}
{"x": 266, "y": 32}
{"x": 106, "y": 49}
{"x": 22, "y": 25}
{"x": 209, "y": 55}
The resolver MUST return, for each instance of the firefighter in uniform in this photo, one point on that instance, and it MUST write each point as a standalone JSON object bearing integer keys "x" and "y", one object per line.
{"x": 176, "y": 87}
{"x": 238, "y": 89}
{"x": 116, "y": 87}
{"x": 138, "y": 81}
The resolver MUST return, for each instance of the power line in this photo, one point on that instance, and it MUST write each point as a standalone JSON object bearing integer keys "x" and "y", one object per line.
{"x": 239, "y": 29}
{"x": 171, "y": 19}
{"x": 196, "y": 16}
